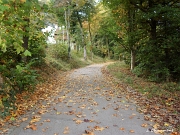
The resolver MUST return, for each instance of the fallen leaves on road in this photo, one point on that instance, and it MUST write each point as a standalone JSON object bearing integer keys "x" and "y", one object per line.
{"x": 35, "y": 119}
{"x": 27, "y": 101}
{"x": 144, "y": 125}
{"x": 98, "y": 128}
{"x": 175, "y": 133}
{"x": 131, "y": 131}
{"x": 84, "y": 99}
{"x": 31, "y": 126}
{"x": 66, "y": 130}
{"x": 88, "y": 132}
{"x": 48, "y": 120}
{"x": 153, "y": 99}
{"x": 123, "y": 129}
{"x": 24, "y": 119}
{"x": 78, "y": 121}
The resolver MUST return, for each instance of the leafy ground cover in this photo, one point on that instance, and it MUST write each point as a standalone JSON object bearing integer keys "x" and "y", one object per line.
{"x": 47, "y": 85}
{"x": 28, "y": 100}
{"x": 158, "y": 101}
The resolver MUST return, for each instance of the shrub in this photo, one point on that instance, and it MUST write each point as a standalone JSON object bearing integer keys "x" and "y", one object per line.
{"x": 15, "y": 80}
{"x": 60, "y": 51}
{"x": 21, "y": 78}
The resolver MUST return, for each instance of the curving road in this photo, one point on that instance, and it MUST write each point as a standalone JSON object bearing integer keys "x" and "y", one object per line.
{"x": 87, "y": 104}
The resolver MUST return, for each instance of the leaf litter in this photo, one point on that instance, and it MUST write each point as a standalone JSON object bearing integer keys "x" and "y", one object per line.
{"x": 163, "y": 109}
{"x": 44, "y": 92}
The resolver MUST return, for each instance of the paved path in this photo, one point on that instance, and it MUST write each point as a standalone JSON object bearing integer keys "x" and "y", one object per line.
{"x": 88, "y": 104}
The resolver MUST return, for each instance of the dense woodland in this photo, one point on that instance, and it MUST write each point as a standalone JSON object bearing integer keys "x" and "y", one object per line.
{"x": 143, "y": 33}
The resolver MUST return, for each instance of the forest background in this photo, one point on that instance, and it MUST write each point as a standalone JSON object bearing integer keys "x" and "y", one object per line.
{"x": 145, "y": 34}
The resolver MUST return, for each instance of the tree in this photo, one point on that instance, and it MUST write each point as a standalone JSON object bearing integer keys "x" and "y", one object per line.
{"x": 82, "y": 13}
{"x": 63, "y": 9}
{"x": 126, "y": 16}
{"x": 105, "y": 32}
{"x": 150, "y": 34}
{"x": 22, "y": 45}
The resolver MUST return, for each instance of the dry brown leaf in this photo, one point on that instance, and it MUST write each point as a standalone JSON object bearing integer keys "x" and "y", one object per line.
{"x": 98, "y": 128}
{"x": 82, "y": 106}
{"x": 74, "y": 119}
{"x": 66, "y": 130}
{"x": 131, "y": 131}
{"x": 71, "y": 112}
{"x": 88, "y": 132}
{"x": 117, "y": 108}
{"x": 24, "y": 119}
{"x": 156, "y": 126}
{"x": 175, "y": 133}
{"x": 42, "y": 111}
{"x": 122, "y": 129}
{"x": 58, "y": 113}
{"x": 115, "y": 115}
{"x": 35, "y": 120}
{"x": 60, "y": 99}
{"x": 79, "y": 121}
{"x": 144, "y": 125}
{"x": 48, "y": 120}
{"x": 44, "y": 129}
{"x": 86, "y": 120}
{"x": 159, "y": 131}
{"x": 79, "y": 116}
{"x": 33, "y": 127}
{"x": 131, "y": 117}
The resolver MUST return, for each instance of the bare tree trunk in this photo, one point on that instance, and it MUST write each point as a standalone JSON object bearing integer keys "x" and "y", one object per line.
{"x": 63, "y": 33}
{"x": 85, "y": 52}
{"x": 82, "y": 36}
{"x": 1, "y": 80}
{"x": 131, "y": 28}
{"x": 133, "y": 59}
{"x": 90, "y": 36}
{"x": 107, "y": 45}
{"x": 67, "y": 20}
{"x": 25, "y": 38}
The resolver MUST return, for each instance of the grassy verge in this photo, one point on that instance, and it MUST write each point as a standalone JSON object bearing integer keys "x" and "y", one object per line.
{"x": 159, "y": 100}
{"x": 60, "y": 60}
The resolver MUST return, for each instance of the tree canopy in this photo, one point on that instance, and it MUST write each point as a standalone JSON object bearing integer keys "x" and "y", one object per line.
{"x": 151, "y": 32}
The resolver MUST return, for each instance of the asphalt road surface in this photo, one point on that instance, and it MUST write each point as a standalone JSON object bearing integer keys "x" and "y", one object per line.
{"x": 87, "y": 104}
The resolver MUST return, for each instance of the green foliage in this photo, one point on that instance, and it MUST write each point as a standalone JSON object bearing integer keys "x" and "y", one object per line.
{"x": 37, "y": 47}
{"x": 59, "y": 51}
{"x": 172, "y": 86}
{"x": 101, "y": 52}
{"x": 151, "y": 30}
{"x": 20, "y": 78}
{"x": 16, "y": 80}
{"x": 22, "y": 46}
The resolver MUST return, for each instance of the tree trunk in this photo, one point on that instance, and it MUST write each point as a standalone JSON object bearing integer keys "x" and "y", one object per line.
{"x": 67, "y": 20}
{"x": 107, "y": 45}
{"x": 90, "y": 36}
{"x": 133, "y": 59}
{"x": 131, "y": 28}
{"x": 153, "y": 30}
{"x": 82, "y": 36}
{"x": 25, "y": 38}
{"x": 85, "y": 54}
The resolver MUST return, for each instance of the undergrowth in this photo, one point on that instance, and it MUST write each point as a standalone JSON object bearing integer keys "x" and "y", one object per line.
{"x": 57, "y": 57}
{"x": 157, "y": 98}
{"x": 121, "y": 71}
{"x": 25, "y": 77}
